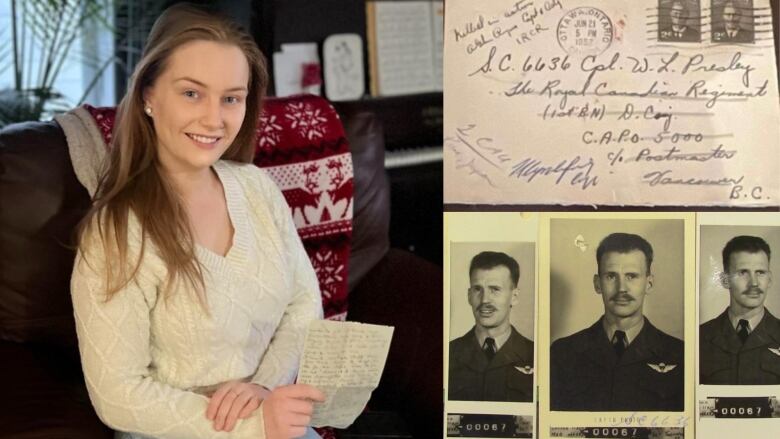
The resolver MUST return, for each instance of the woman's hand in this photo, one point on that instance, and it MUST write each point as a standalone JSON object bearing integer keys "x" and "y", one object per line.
{"x": 234, "y": 400}
{"x": 287, "y": 410}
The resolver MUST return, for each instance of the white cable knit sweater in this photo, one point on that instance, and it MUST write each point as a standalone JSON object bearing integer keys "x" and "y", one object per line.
{"x": 148, "y": 361}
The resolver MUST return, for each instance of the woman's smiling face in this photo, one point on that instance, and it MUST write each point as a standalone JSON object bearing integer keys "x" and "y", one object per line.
{"x": 198, "y": 104}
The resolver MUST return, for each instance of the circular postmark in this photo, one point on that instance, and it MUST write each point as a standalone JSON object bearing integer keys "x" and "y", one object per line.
{"x": 585, "y": 31}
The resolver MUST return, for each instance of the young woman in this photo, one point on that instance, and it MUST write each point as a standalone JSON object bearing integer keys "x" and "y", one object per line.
{"x": 191, "y": 289}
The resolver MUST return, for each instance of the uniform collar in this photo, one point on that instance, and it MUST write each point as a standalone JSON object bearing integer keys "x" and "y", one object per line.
{"x": 765, "y": 332}
{"x": 631, "y": 332}
{"x": 647, "y": 345}
{"x": 500, "y": 339}
{"x": 753, "y": 321}
{"x": 514, "y": 351}
{"x": 733, "y": 33}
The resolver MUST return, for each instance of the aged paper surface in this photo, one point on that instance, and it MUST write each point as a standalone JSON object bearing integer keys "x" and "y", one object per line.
{"x": 345, "y": 361}
{"x": 611, "y": 102}
{"x": 658, "y": 368}
{"x": 750, "y": 409}
{"x": 465, "y": 235}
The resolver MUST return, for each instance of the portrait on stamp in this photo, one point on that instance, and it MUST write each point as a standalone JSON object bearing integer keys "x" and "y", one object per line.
{"x": 616, "y": 315}
{"x": 679, "y": 21}
{"x": 739, "y": 338}
{"x": 491, "y": 349}
{"x": 732, "y": 21}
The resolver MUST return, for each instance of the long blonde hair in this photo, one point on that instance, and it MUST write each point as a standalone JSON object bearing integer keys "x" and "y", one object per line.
{"x": 133, "y": 182}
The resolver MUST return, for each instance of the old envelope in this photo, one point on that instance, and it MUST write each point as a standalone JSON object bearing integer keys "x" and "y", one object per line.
{"x": 611, "y": 102}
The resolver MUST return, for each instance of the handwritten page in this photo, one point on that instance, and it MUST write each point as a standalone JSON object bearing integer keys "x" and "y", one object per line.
{"x": 404, "y": 47}
{"x": 611, "y": 102}
{"x": 345, "y": 360}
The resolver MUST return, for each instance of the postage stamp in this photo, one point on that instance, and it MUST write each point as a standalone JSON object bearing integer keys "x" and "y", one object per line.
{"x": 679, "y": 21}
{"x": 732, "y": 21}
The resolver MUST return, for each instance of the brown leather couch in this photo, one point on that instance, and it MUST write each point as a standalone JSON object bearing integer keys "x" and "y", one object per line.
{"x": 43, "y": 392}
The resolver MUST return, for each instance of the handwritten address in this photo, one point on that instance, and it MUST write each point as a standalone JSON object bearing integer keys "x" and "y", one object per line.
{"x": 682, "y": 120}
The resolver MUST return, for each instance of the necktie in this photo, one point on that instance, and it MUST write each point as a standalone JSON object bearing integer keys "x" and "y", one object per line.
{"x": 489, "y": 348}
{"x": 743, "y": 330}
{"x": 619, "y": 343}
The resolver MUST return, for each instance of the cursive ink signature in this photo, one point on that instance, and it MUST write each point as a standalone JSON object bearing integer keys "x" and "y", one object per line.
{"x": 645, "y": 420}
{"x": 528, "y": 169}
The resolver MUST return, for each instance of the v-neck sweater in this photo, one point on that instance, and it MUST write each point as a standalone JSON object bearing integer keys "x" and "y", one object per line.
{"x": 149, "y": 362}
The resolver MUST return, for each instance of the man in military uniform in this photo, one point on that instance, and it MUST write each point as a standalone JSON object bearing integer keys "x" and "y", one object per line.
{"x": 492, "y": 362}
{"x": 622, "y": 362}
{"x": 742, "y": 345}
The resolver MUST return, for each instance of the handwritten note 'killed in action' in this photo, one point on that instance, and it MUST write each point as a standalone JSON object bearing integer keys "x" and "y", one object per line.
{"x": 345, "y": 360}
{"x": 611, "y": 102}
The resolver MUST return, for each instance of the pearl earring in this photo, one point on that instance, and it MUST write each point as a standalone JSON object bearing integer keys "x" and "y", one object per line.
{"x": 148, "y": 110}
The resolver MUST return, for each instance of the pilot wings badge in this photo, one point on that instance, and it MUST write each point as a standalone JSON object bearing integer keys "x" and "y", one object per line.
{"x": 527, "y": 370}
{"x": 775, "y": 351}
{"x": 662, "y": 367}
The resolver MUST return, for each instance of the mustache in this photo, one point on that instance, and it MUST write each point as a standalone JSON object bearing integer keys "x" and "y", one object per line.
{"x": 486, "y": 307}
{"x": 622, "y": 297}
{"x": 753, "y": 290}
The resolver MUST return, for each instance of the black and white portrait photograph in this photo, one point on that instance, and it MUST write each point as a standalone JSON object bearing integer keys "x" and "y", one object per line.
{"x": 739, "y": 305}
{"x": 679, "y": 21}
{"x": 617, "y": 314}
{"x": 492, "y": 301}
{"x": 732, "y": 21}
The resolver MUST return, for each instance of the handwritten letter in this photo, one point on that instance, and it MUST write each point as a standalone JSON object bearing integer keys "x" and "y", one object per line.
{"x": 611, "y": 102}
{"x": 345, "y": 360}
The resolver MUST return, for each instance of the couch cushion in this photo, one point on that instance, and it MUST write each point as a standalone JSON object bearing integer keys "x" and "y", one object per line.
{"x": 45, "y": 396}
{"x": 371, "y": 217}
{"x": 41, "y": 204}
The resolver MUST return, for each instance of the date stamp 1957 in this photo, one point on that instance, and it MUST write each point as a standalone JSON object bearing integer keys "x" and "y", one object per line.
{"x": 585, "y": 31}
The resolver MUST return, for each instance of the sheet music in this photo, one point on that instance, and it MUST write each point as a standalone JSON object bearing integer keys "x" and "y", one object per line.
{"x": 404, "y": 47}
